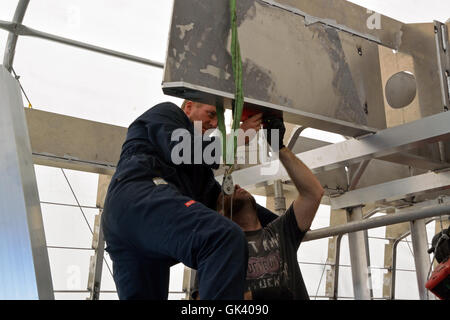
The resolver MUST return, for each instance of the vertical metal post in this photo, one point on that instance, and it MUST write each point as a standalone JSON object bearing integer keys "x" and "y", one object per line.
{"x": 388, "y": 277}
{"x": 395, "y": 233}
{"x": 394, "y": 265}
{"x": 279, "y": 199}
{"x": 96, "y": 261}
{"x": 189, "y": 281}
{"x": 358, "y": 257}
{"x": 337, "y": 217}
{"x": 24, "y": 263}
{"x": 98, "y": 242}
{"x": 421, "y": 257}
{"x": 443, "y": 59}
{"x": 369, "y": 271}
{"x": 332, "y": 283}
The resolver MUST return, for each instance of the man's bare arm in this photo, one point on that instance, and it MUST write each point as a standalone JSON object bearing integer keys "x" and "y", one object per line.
{"x": 308, "y": 186}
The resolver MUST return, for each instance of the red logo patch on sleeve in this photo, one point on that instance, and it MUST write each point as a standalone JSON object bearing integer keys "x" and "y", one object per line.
{"x": 189, "y": 203}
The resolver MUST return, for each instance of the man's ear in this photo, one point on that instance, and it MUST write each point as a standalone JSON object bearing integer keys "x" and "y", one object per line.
{"x": 188, "y": 108}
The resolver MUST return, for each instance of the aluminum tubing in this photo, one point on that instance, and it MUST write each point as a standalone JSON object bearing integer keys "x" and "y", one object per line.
{"x": 404, "y": 215}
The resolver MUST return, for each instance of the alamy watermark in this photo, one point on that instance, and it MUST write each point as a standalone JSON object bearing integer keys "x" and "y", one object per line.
{"x": 206, "y": 148}
{"x": 374, "y": 20}
{"x": 73, "y": 280}
{"x": 73, "y": 17}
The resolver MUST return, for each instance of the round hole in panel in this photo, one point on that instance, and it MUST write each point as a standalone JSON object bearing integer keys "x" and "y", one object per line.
{"x": 401, "y": 89}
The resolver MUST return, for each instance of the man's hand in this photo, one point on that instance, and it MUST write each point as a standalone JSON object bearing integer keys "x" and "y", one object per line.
{"x": 277, "y": 125}
{"x": 254, "y": 122}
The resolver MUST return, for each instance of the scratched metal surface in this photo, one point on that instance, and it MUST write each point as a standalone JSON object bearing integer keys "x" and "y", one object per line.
{"x": 315, "y": 74}
{"x": 348, "y": 16}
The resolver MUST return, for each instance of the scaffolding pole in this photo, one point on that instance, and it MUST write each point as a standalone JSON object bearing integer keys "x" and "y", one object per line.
{"x": 358, "y": 257}
{"x": 442, "y": 207}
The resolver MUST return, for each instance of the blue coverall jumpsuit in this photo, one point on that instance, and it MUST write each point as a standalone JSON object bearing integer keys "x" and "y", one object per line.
{"x": 148, "y": 227}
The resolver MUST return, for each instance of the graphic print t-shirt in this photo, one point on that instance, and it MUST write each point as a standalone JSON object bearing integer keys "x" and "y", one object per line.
{"x": 273, "y": 271}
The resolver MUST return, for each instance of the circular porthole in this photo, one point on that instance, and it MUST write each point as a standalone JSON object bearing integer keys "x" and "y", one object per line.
{"x": 401, "y": 89}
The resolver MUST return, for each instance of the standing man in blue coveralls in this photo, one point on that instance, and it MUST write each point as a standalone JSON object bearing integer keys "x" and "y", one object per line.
{"x": 149, "y": 227}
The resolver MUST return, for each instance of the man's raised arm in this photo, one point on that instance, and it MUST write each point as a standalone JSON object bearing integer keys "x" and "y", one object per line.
{"x": 308, "y": 186}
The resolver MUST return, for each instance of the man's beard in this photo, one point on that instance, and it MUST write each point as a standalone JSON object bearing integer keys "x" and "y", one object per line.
{"x": 238, "y": 204}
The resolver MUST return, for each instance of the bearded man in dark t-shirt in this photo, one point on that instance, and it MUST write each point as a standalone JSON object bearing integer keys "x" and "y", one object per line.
{"x": 273, "y": 272}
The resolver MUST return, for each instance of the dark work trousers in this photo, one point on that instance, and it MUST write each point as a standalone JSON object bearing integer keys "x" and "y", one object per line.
{"x": 148, "y": 228}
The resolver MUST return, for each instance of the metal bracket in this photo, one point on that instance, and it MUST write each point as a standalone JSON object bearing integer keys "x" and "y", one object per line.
{"x": 227, "y": 184}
